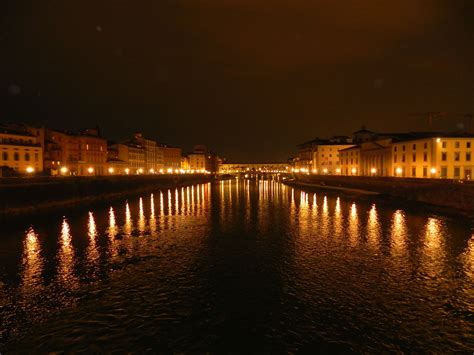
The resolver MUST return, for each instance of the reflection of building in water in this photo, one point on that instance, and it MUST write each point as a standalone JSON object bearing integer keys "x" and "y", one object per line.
{"x": 468, "y": 260}
{"x": 398, "y": 233}
{"x": 66, "y": 257}
{"x": 141, "y": 217}
{"x": 433, "y": 256}
{"x": 112, "y": 232}
{"x": 373, "y": 228}
{"x": 152, "y": 214}
{"x": 92, "y": 250}
{"x": 353, "y": 225}
{"x": 32, "y": 263}
{"x": 128, "y": 220}
{"x": 337, "y": 218}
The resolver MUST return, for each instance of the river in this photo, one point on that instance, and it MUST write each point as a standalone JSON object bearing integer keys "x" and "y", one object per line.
{"x": 237, "y": 266}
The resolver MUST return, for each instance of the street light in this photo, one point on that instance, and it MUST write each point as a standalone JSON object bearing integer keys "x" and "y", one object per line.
{"x": 30, "y": 170}
{"x": 127, "y": 171}
{"x": 373, "y": 170}
{"x": 64, "y": 170}
{"x": 399, "y": 171}
{"x": 354, "y": 171}
{"x": 433, "y": 171}
{"x": 111, "y": 170}
{"x": 90, "y": 170}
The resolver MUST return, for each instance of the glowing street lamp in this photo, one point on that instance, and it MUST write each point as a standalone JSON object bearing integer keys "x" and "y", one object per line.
{"x": 64, "y": 170}
{"x": 433, "y": 171}
{"x": 373, "y": 171}
{"x": 169, "y": 171}
{"x": 399, "y": 171}
{"x": 140, "y": 171}
{"x": 30, "y": 170}
{"x": 90, "y": 170}
{"x": 325, "y": 170}
{"x": 111, "y": 170}
{"x": 127, "y": 171}
{"x": 354, "y": 171}
{"x": 338, "y": 170}
{"x": 152, "y": 171}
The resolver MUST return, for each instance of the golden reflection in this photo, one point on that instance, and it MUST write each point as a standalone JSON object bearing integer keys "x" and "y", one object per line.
{"x": 353, "y": 225}
{"x": 398, "y": 233}
{"x": 141, "y": 217}
{"x": 433, "y": 247}
{"x": 468, "y": 260}
{"x": 325, "y": 218}
{"x": 66, "y": 257}
{"x": 176, "y": 201}
{"x": 152, "y": 214}
{"x": 338, "y": 218}
{"x": 188, "y": 200}
{"x": 183, "y": 210}
{"x": 162, "y": 204}
{"x": 112, "y": 232}
{"x": 33, "y": 263}
{"x": 92, "y": 251}
{"x": 169, "y": 203}
{"x": 128, "y": 220}
{"x": 373, "y": 228}
{"x": 304, "y": 220}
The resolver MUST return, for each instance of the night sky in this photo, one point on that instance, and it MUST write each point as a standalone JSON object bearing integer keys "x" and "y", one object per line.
{"x": 248, "y": 78}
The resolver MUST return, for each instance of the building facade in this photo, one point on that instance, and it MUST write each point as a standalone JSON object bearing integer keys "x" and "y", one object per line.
{"x": 81, "y": 154}
{"x": 21, "y": 152}
{"x": 446, "y": 157}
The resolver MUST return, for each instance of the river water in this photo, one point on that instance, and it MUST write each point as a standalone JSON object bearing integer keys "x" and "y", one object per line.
{"x": 237, "y": 266}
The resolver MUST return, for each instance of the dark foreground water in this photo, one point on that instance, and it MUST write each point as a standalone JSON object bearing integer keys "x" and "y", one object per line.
{"x": 237, "y": 267}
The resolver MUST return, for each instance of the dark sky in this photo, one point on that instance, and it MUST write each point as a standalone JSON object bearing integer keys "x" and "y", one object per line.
{"x": 248, "y": 78}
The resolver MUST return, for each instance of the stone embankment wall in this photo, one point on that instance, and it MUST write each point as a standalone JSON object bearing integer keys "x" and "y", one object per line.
{"x": 437, "y": 192}
{"x": 28, "y": 195}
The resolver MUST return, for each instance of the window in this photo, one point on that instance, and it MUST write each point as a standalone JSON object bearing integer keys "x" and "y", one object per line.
{"x": 16, "y": 156}
{"x": 425, "y": 171}
{"x": 457, "y": 156}
{"x": 27, "y": 156}
{"x": 457, "y": 144}
{"x": 468, "y": 145}
{"x": 425, "y": 156}
{"x": 425, "y": 145}
{"x": 444, "y": 172}
{"x": 413, "y": 171}
{"x": 403, "y": 158}
{"x": 414, "y": 157}
{"x": 394, "y": 158}
{"x": 444, "y": 144}
{"x": 403, "y": 147}
{"x": 468, "y": 156}
{"x": 444, "y": 156}
{"x": 36, "y": 156}
{"x": 457, "y": 172}
{"x": 395, "y": 148}
{"x": 5, "y": 155}
{"x": 414, "y": 146}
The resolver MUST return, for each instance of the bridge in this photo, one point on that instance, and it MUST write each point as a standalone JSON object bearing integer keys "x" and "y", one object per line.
{"x": 254, "y": 169}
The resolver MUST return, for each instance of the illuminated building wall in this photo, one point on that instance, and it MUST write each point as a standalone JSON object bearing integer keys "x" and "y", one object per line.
{"x": 21, "y": 152}
{"x": 81, "y": 154}
{"x": 447, "y": 157}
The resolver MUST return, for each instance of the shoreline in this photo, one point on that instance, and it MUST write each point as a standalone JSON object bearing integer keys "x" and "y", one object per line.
{"x": 432, "y": 201}
{"x": 80, "y": 192}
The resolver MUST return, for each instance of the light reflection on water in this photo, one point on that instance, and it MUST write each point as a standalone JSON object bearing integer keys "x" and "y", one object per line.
{"x": 325, "y": 251}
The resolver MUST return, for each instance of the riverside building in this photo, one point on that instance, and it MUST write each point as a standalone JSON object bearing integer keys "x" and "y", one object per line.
{"x": 20, "y": 151}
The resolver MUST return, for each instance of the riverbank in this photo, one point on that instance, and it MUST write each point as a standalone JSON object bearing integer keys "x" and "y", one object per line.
{"x": 28, "y": 196}
{"x": 446, "y": 195}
